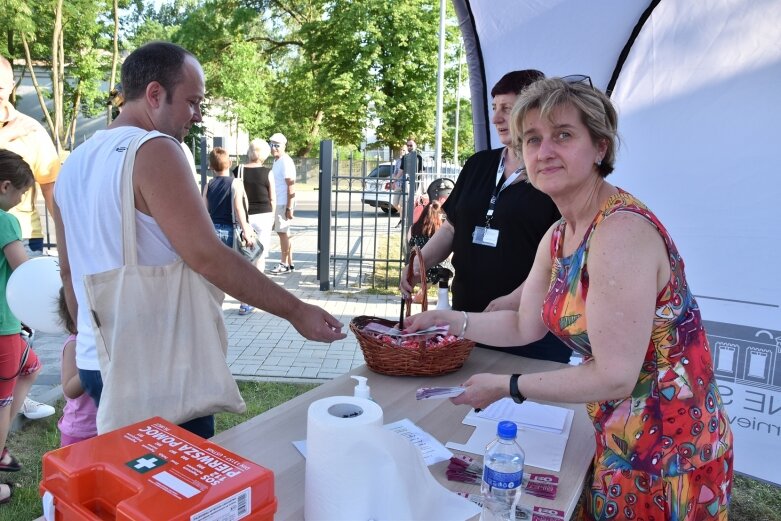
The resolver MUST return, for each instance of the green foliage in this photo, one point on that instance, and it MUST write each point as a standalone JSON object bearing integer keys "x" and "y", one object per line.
{"x": 86, "y": 32}
{"x": 406, "y": 73}
{"x": 312, "y": 69}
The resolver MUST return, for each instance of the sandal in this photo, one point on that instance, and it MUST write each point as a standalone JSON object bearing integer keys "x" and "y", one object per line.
{"x": 10, "y": 493}
{"x": 13, "y": 464}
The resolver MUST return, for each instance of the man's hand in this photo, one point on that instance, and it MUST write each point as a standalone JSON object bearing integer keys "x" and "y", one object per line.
{"x": 314, "y": 323}
{"x": 288, "y": 213}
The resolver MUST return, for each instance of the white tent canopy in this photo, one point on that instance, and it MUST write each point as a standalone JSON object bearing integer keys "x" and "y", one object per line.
{"x": 695, "y": 84}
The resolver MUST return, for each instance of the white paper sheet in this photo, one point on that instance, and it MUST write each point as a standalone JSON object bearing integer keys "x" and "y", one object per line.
{"x": 544, "y": 450}
{"x": 528, "y": 414}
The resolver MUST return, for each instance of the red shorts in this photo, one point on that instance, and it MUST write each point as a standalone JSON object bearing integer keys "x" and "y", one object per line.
{"x": 11, "y": 350}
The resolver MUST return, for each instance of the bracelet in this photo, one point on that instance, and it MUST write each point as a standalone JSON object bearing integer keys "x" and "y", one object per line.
{"x": 466, "y": 323}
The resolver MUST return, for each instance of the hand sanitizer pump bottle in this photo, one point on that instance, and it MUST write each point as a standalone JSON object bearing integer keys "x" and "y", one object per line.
{"x": 443, "y": 296}
{"x": 361, "y": 389}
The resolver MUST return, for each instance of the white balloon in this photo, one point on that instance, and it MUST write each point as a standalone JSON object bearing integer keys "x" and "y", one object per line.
{"x": 33, "y": 292}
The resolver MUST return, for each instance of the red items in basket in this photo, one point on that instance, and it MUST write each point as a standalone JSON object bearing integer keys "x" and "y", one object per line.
{"x": 414, "y": 343}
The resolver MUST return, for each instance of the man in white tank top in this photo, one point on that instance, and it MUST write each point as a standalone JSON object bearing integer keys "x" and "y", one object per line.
{"x": 164, "y": 87}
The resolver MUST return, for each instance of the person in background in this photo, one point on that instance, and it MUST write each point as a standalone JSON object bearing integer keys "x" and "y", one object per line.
{"x": 19, "y": 366}
{"x": 225, "y": 201}
{"x": 609, "y": 281}
{"x": 397, "y": 165}
{"x": 23, "y": 135}
{"x": 30, "y": 140}
{"x": 411, "y": 148}
{"x": 261, "y": 195}
{"x": 419, "y": 234}
{"x": 284, "y": 171}
{"x": 495, "y": 220}
{"x": 78, "y": 420}
{"x": 164, "y": 87}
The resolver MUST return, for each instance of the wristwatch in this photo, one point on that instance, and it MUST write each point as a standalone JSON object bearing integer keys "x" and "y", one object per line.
{"x": 515, "y": 393}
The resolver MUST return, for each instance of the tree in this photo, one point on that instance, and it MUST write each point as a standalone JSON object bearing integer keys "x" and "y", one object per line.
{"x": 326, "y": 85}
{"x": 224, "y": 36}
{"x": 406, "y": 73}
{"x": 66, "y": 38}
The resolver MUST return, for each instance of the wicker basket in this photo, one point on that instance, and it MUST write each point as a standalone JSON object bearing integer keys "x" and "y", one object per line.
{"x": 405, "y": 361}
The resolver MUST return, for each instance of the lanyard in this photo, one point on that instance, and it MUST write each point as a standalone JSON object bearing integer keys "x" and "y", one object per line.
{"x": 498, "y": 189}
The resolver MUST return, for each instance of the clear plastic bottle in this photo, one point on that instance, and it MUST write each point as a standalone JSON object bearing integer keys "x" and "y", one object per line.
{"x": 502, "y": 475}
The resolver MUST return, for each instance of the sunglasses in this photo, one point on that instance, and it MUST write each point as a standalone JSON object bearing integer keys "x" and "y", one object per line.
{"x": 578, "y": 78}
{"x": 274, "y": 145}
{"x": 410, "y": 145}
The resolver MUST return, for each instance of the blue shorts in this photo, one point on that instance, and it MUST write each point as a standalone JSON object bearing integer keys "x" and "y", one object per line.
{"x": 225, "y": 233}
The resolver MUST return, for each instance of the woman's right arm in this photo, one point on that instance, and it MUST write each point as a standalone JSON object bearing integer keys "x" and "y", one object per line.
{"x": 435, "y": 251}
{"x": 500, "y": 328}
{"x": 239, "y": 196}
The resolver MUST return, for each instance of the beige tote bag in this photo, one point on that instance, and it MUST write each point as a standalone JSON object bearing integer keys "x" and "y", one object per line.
{"x": 160, "y": 334}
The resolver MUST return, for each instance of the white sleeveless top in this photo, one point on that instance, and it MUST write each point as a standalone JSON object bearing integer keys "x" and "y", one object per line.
{"x": 87, "y": 194}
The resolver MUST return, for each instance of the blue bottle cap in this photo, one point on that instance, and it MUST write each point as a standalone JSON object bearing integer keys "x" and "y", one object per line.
{"x": 507, "y": 430}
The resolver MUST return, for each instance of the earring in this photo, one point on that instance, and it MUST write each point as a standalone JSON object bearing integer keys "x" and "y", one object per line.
{"x": 598, "y": 162}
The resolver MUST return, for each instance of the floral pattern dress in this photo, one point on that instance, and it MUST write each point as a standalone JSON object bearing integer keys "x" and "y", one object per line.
{"x": 665, "y": 452}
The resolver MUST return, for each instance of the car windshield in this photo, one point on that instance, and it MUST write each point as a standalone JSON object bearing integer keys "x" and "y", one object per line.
{"x": 381, "y": 171}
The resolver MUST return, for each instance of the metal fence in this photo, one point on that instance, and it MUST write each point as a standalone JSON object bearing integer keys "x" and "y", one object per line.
{"x": 363, "y": 218}
{"x": 360, "y": 239}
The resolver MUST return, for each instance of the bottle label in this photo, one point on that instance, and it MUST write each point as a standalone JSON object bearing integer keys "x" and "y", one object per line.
{"x": 502, "y": 480}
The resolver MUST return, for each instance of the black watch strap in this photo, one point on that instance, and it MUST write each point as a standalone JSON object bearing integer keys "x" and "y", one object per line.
{"x": 515, "y": 393}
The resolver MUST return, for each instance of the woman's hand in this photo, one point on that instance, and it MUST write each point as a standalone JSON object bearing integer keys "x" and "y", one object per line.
{"x": 484, "y": 389}
{"x": 404, "y": 285}
{"x": 509, "y": 302}
{"x": 248, "y": 237}
{"x": 453, "y": 319}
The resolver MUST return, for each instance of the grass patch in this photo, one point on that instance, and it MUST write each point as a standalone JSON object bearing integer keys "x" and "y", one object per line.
{"x": 385, "y": 278}
{"x": 386, "y": 281}
{"x": 40, "y": 436}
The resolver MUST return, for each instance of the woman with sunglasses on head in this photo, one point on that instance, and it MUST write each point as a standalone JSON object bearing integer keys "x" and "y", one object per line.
{"x": 610, "y": 283}
{"x": 495, "y": 220}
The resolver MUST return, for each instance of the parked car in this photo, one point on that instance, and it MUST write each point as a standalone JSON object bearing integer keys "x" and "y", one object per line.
{"x": 379, "y": 189}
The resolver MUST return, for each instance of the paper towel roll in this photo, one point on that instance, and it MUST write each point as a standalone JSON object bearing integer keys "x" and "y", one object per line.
{"x": 337, "y": 477}
{"x": 358, "y": 471}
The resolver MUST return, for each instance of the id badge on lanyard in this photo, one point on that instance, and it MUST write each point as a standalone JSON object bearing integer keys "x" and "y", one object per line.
{"x": 485, "y": 235}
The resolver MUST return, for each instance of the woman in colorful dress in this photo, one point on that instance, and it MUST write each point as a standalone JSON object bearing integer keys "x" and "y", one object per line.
{"x": 611, "y": 284}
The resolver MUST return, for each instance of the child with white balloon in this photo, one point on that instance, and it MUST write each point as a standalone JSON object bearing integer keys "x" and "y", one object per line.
{"x": 78, "y": 421}
{"x": 19, "y": 365}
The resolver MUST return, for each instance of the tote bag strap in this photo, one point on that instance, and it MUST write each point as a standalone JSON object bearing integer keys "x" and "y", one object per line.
{"x": 127, "y": 198}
